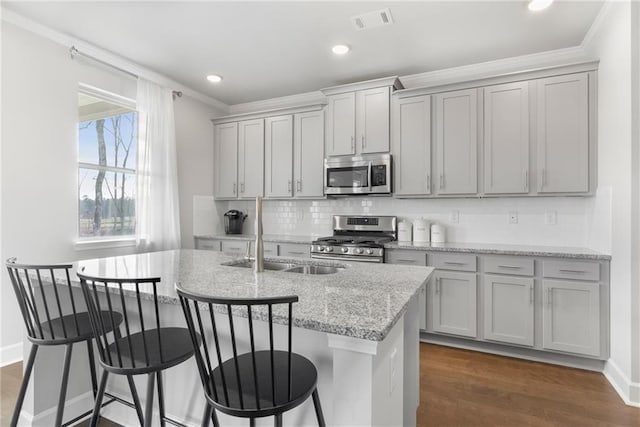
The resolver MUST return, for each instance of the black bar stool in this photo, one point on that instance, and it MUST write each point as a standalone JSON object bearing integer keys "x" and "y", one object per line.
{"x": 254, "y": 384}
{"x": 51, "y": 316}
{"x": 149, "y": 350}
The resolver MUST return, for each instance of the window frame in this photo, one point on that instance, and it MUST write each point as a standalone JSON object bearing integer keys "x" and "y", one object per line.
{"x": 101, "y": 242}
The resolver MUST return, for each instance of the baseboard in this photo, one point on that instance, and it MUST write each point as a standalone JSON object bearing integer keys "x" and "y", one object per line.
{"x": 626, "y": 389}
{"x": 10, "y": 354}
{"x": 73, "y": 407}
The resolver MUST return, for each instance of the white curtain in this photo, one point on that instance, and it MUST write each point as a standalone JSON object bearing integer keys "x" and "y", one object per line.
{"x": 158, "y": 213}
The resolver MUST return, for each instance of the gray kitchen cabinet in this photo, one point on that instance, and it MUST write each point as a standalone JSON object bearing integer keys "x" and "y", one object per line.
{"x": 250, "y": 158}
{"x": 278, "y": 157}
{"x": 411, "y": 146}
{"x": 341, "y": 124}
{"x": 294, "y": 250}
{"x": 405, "y": 256}
{"x": 508, "y": 309}
{"x": 207, "y": 244}
{"x": 506, "y": 138}
{"x": 563, "y": 134}
{"x": 308, "y": 152}
{"x": 372, "y": 120}
{"x": 457, "y": 142}
{"x": 454, "y": 303}
{"x": 235, "y": 247}
{"x": 571, "y": 317}
{"x": 226, "y": 160}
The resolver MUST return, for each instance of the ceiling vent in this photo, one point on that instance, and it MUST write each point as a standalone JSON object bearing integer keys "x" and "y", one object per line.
{"x": 373, "y": 19}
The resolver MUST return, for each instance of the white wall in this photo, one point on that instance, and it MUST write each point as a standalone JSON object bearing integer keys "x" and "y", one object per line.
{"x": 612, "y": 43}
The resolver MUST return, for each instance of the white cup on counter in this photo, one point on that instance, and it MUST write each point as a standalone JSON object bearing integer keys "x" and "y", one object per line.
{"x": 405, "y": 231}
{"x": 438, "y": 233}
{"x": 421, "y": 231}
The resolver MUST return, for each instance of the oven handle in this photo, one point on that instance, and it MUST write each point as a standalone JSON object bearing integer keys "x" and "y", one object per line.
{"x": 369, "y": 176}
{"x": 344, "y": 258}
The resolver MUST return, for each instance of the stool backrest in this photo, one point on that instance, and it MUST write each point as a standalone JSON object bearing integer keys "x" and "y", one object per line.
{"x": 44, "y": 294}
{"x": 199, "y": 313}
{"x": 124, "y": 296}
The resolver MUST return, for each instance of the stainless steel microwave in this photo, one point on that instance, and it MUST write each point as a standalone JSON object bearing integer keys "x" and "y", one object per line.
{"x": 364, "y": 174}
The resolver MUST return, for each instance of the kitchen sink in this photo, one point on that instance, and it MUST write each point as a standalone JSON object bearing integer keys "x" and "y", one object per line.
{"x": 268, "y": 265}
{"x": 313, "y": 269}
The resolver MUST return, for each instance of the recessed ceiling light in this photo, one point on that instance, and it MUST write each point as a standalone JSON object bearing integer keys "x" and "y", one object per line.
{"x": 213, "y": 78}
{"x": 340, "y": 49}
{"x": 536, "y": 5}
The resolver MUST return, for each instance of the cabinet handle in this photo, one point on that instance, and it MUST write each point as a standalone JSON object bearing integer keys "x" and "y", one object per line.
{"x": 295, "y": 253}
{"x": 242, "y": 187}
{"x": 531, "y": 294}
{"x": 550, "y": 297}
{"x": 543, "y": 177}
{"x": 510, "y": 266}
{"x": 441, "y": 181}
{"x": 353, "y": 143}
{"x": 289, "y": 186}
{"x": 406, "y": 261}
{"x": 455, "y": 263}
{"x": 526, "y": 180}
{"x": 572, "y": 271}
{"x": 234, "y": 188}
{"x": 437, "y": 285}
{"x": 298, "y": 185}
{"x": 363, "y": 143}
{"x": 429, "y": 183}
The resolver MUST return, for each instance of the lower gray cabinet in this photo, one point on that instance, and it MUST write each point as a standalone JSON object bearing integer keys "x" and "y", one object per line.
{"x": 508, "y": 309}
{"x": 571, "y": 317}
{"x": 294, "y": 250}
{"x": 454, "y": 303}
{"x": 207, "y": 244}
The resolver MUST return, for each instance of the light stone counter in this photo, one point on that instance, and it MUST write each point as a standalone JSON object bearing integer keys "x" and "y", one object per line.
{"x": 272, "y": 238}
{"x": 501, "y": 249}
{"x": 361, "y": 300}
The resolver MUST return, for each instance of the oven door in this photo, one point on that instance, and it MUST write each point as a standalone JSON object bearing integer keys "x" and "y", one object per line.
{"x": 347, "y": 177}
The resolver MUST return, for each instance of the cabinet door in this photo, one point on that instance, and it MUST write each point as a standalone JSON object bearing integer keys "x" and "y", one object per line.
{"x": 372, "y": 120}
{"x": 412, "y": 146}
{"x": 226, "y": 152}
{"x": 308, "y": 151}
{"x": 454, "y": 303}
{"x": 294, "y": 250}
{"x": 278, "y": 156}
{"x": 235, "y": 247}
{"x": 571, "y": 317}
{"x": 563, "y": 134}
{"x": 457, "y": 142}
{"x": 250, "y": 158}
{"x": 207, "y": 244}
{"x": 341, "y": 124}
{"x": 508, "y": 309}
{"x": 506, "y": 138}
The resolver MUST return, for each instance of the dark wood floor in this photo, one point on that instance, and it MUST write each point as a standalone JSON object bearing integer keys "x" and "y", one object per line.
{"x": 465, "y": 388}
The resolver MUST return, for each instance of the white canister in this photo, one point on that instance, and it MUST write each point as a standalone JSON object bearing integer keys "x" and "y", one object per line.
{"x": 438, "y": 233}
{"x": 404, "y": 231}
{"x": 421, "y": 232}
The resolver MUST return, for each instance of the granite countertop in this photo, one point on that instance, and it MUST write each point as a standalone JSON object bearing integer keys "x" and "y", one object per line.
{"x": 362, "y": 300}
{"x": 501, "y": 249}
{"x": 272, "y": 238}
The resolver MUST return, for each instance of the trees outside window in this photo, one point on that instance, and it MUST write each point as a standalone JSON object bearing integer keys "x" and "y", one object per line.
{"x": 107, "y": 148}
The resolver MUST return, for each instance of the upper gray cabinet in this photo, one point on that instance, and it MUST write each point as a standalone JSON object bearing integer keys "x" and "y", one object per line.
{"x": 250, "y": 157}
{"x": 457, "y": 142}
{"x": 308, "y": 152}
{"x": 358, "y": 117}
{"x": 506, "y": 138}
{"x": 278, "y": 157}
{"x": 563, "y": 134}
{"x": 411, "y": 146}
{"x": 226, "y": 160}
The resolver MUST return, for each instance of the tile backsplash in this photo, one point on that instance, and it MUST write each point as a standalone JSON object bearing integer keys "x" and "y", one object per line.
{"x": 479, "y": 220}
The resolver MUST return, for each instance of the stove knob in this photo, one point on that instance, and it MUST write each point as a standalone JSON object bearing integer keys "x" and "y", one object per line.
{"x": 369, "y": 251}
{"x": 359, "y": 250}
{"x": 322, "y": 248}
{"x": 345, "y": 250}
{"x": 329, "y": 249}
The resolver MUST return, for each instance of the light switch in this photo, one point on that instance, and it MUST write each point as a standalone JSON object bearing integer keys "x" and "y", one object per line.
{"x": 513, "y": 217}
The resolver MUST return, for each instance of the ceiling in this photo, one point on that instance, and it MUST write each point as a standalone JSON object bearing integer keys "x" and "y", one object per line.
{"x": 270, "y": 49}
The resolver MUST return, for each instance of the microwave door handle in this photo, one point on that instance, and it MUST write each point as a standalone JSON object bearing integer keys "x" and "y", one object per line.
{"x": 369, "y": 176}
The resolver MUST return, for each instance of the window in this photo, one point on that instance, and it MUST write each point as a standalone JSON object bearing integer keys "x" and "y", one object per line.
{"x": 107, "y": 156}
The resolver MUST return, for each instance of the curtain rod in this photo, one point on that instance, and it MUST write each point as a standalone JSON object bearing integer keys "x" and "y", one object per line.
{"x": 73, "y": 51}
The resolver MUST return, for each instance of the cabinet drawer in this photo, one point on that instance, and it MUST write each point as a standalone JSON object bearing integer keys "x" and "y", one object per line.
{"x": 405, "y": 257}
{"x": 235, "y": 246}
{"x": 517, "y": 266}
{"x": 270, "y": 249}
{"x": 577, "y": 270}
{"x": 208, "y": 244}
{"x": 294, "y": 250}
{"x": 460, "y": 262}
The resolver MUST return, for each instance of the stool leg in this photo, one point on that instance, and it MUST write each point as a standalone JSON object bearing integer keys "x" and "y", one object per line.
{"x": 96, "y": 407}
{"x": 214, "y": 417}
{"x": 278, "y": 421}
{"x": 63, "y": 387}
{"x": 316, "y": 404}
{"x": 208, "y": 412}
{"x": 24, "y": 385}
{"x": 160, "y": 398}
{"x": 136, "y": 399}
{"x": 92, "y": 368}
{"x": 252, "y": 422}
{"x": 148, "y": 410}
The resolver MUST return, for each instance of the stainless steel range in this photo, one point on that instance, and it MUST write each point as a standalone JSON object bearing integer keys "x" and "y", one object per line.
{"x": 356, "y": 238}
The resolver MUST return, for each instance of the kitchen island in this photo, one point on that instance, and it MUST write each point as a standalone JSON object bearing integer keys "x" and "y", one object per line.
{"x": 359, "y": 326}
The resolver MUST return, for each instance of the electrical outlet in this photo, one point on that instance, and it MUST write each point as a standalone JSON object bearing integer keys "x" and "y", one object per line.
{"x": 513, "y": 217}
{"x": 551, "y": 217}
{"x": 454, "y": 216}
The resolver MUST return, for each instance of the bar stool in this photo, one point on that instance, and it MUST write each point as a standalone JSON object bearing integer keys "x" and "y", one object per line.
{"x": 51, "y": 316}
{"x": 149, "y": 350}
{"x": 254, "y": 384}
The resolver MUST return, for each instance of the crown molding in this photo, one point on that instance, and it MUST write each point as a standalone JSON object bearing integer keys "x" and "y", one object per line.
{"x": 595, "y": 26}
{"x": 290, "y": 101}
{"x": 268, "y": 113}
{"x": 392, "y": 81}
{"x": 66, "y": 40}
